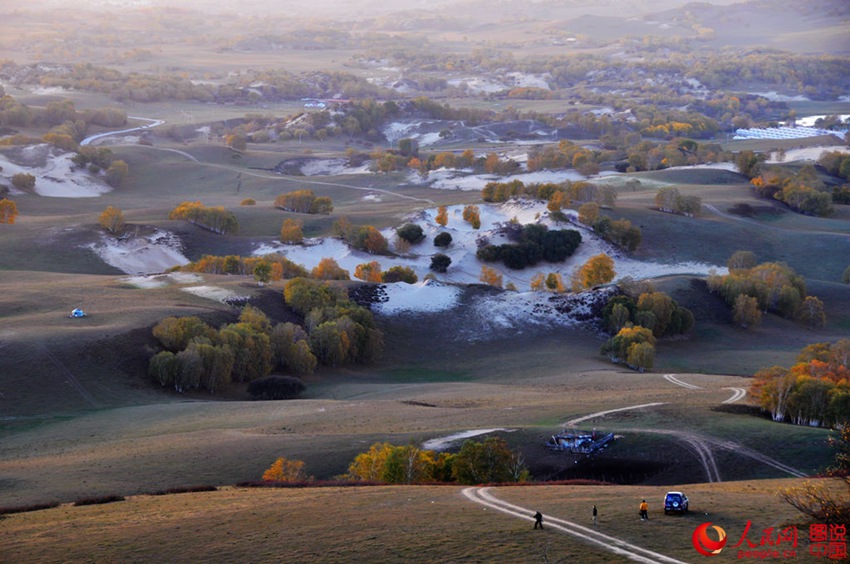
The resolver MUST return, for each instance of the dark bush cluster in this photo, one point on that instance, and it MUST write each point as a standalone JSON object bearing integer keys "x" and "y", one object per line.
{"x": 276, "y": 388}
{"x": 443, "y": 239}
{"x": 535, "y": 243}
{"x": 98, "y": 500}
{"x": 27, "y": 508}
{"x": 185, "y": 489}
{"x": 440, "y": 262}
{"x": 411, "y": 233}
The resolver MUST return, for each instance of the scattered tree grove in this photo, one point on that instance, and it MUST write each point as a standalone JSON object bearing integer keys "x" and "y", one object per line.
{"x": 216, "y": 219}
{"x": 304, "y": 201}
{"x": 198, "y": 356}
{"x": 774, "y": 285}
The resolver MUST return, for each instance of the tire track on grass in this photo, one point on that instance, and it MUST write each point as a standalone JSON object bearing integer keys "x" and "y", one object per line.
{"x": 482, "y": 496}
{"x": 673, "y": 380}
{"x": 699, "y": 445}
{"x": 737, "y": 394}
{"x": 70, "y": 378}
{"x": 604, "y": 413}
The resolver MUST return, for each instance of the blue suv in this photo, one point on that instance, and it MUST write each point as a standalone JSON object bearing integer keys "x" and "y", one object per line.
{"x": 675, "y": 502}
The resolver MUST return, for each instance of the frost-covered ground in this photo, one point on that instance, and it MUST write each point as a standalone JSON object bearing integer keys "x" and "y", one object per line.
{"x": 141, "y": 255}
{"x": 806, "y": 154}
{"x": 55, "y": 174}
{"x": 506, "y": 309}
{"x": 442, "y": 443}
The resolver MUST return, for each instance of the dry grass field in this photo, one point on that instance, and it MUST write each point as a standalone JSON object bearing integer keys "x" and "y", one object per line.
{"x": 385, "y": 524}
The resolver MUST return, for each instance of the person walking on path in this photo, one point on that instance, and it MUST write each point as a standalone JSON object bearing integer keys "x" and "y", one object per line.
{"x": 644, "y": 511}
{"x": 594, "y": 515}
{"x": 538, "y": 520}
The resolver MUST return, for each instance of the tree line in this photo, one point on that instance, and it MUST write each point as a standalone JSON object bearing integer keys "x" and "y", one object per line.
{"x": 814, "y": 391}
{"x": 477, "y": 462}
{"x": 335, "y": 331}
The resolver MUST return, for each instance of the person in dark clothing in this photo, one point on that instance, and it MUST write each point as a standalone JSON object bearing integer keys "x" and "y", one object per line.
{"x": 594, "y": 515}
{"x": 538, "y": 520}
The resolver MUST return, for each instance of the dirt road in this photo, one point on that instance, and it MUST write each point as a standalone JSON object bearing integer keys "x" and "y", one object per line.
{"x": 483, "y": 496}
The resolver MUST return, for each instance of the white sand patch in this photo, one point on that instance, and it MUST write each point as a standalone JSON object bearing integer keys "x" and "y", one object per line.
{"x": 423, "y": 296}
{"x": 142, "y": 255}
{"x": 442, "y": 443}
{"x": 807, "y": 154}
{"x": 214, "y": 293}
{"x": 57, "y": 177}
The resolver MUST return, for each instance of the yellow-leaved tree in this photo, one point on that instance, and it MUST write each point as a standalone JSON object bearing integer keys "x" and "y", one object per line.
{"x": 369, "y": 465}
{"x": 292, "y": 232}
{"x": 537, "y": 282}
{"x": 442, "y": 217}
{"x": 490, "y": 276}
{"x": 112, "y": 219}
{"x": 597, "y": 270}
{"x": 8, "y": 211}
{"x": 369, "y": 272}
{"x": 329, "y": 269}
{"x": 283, "y": 470}
{"x": 472, "y": 215}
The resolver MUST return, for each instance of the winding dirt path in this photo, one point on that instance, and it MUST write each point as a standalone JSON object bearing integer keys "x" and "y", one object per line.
{"x": 603, "y": 413}
{"x": 703, "y": 447}
{"x": 156, "y": 122}
{"x": 151, "y": 123}
{"x": 271, "y": 176}
{"x": 617, "y": 546}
